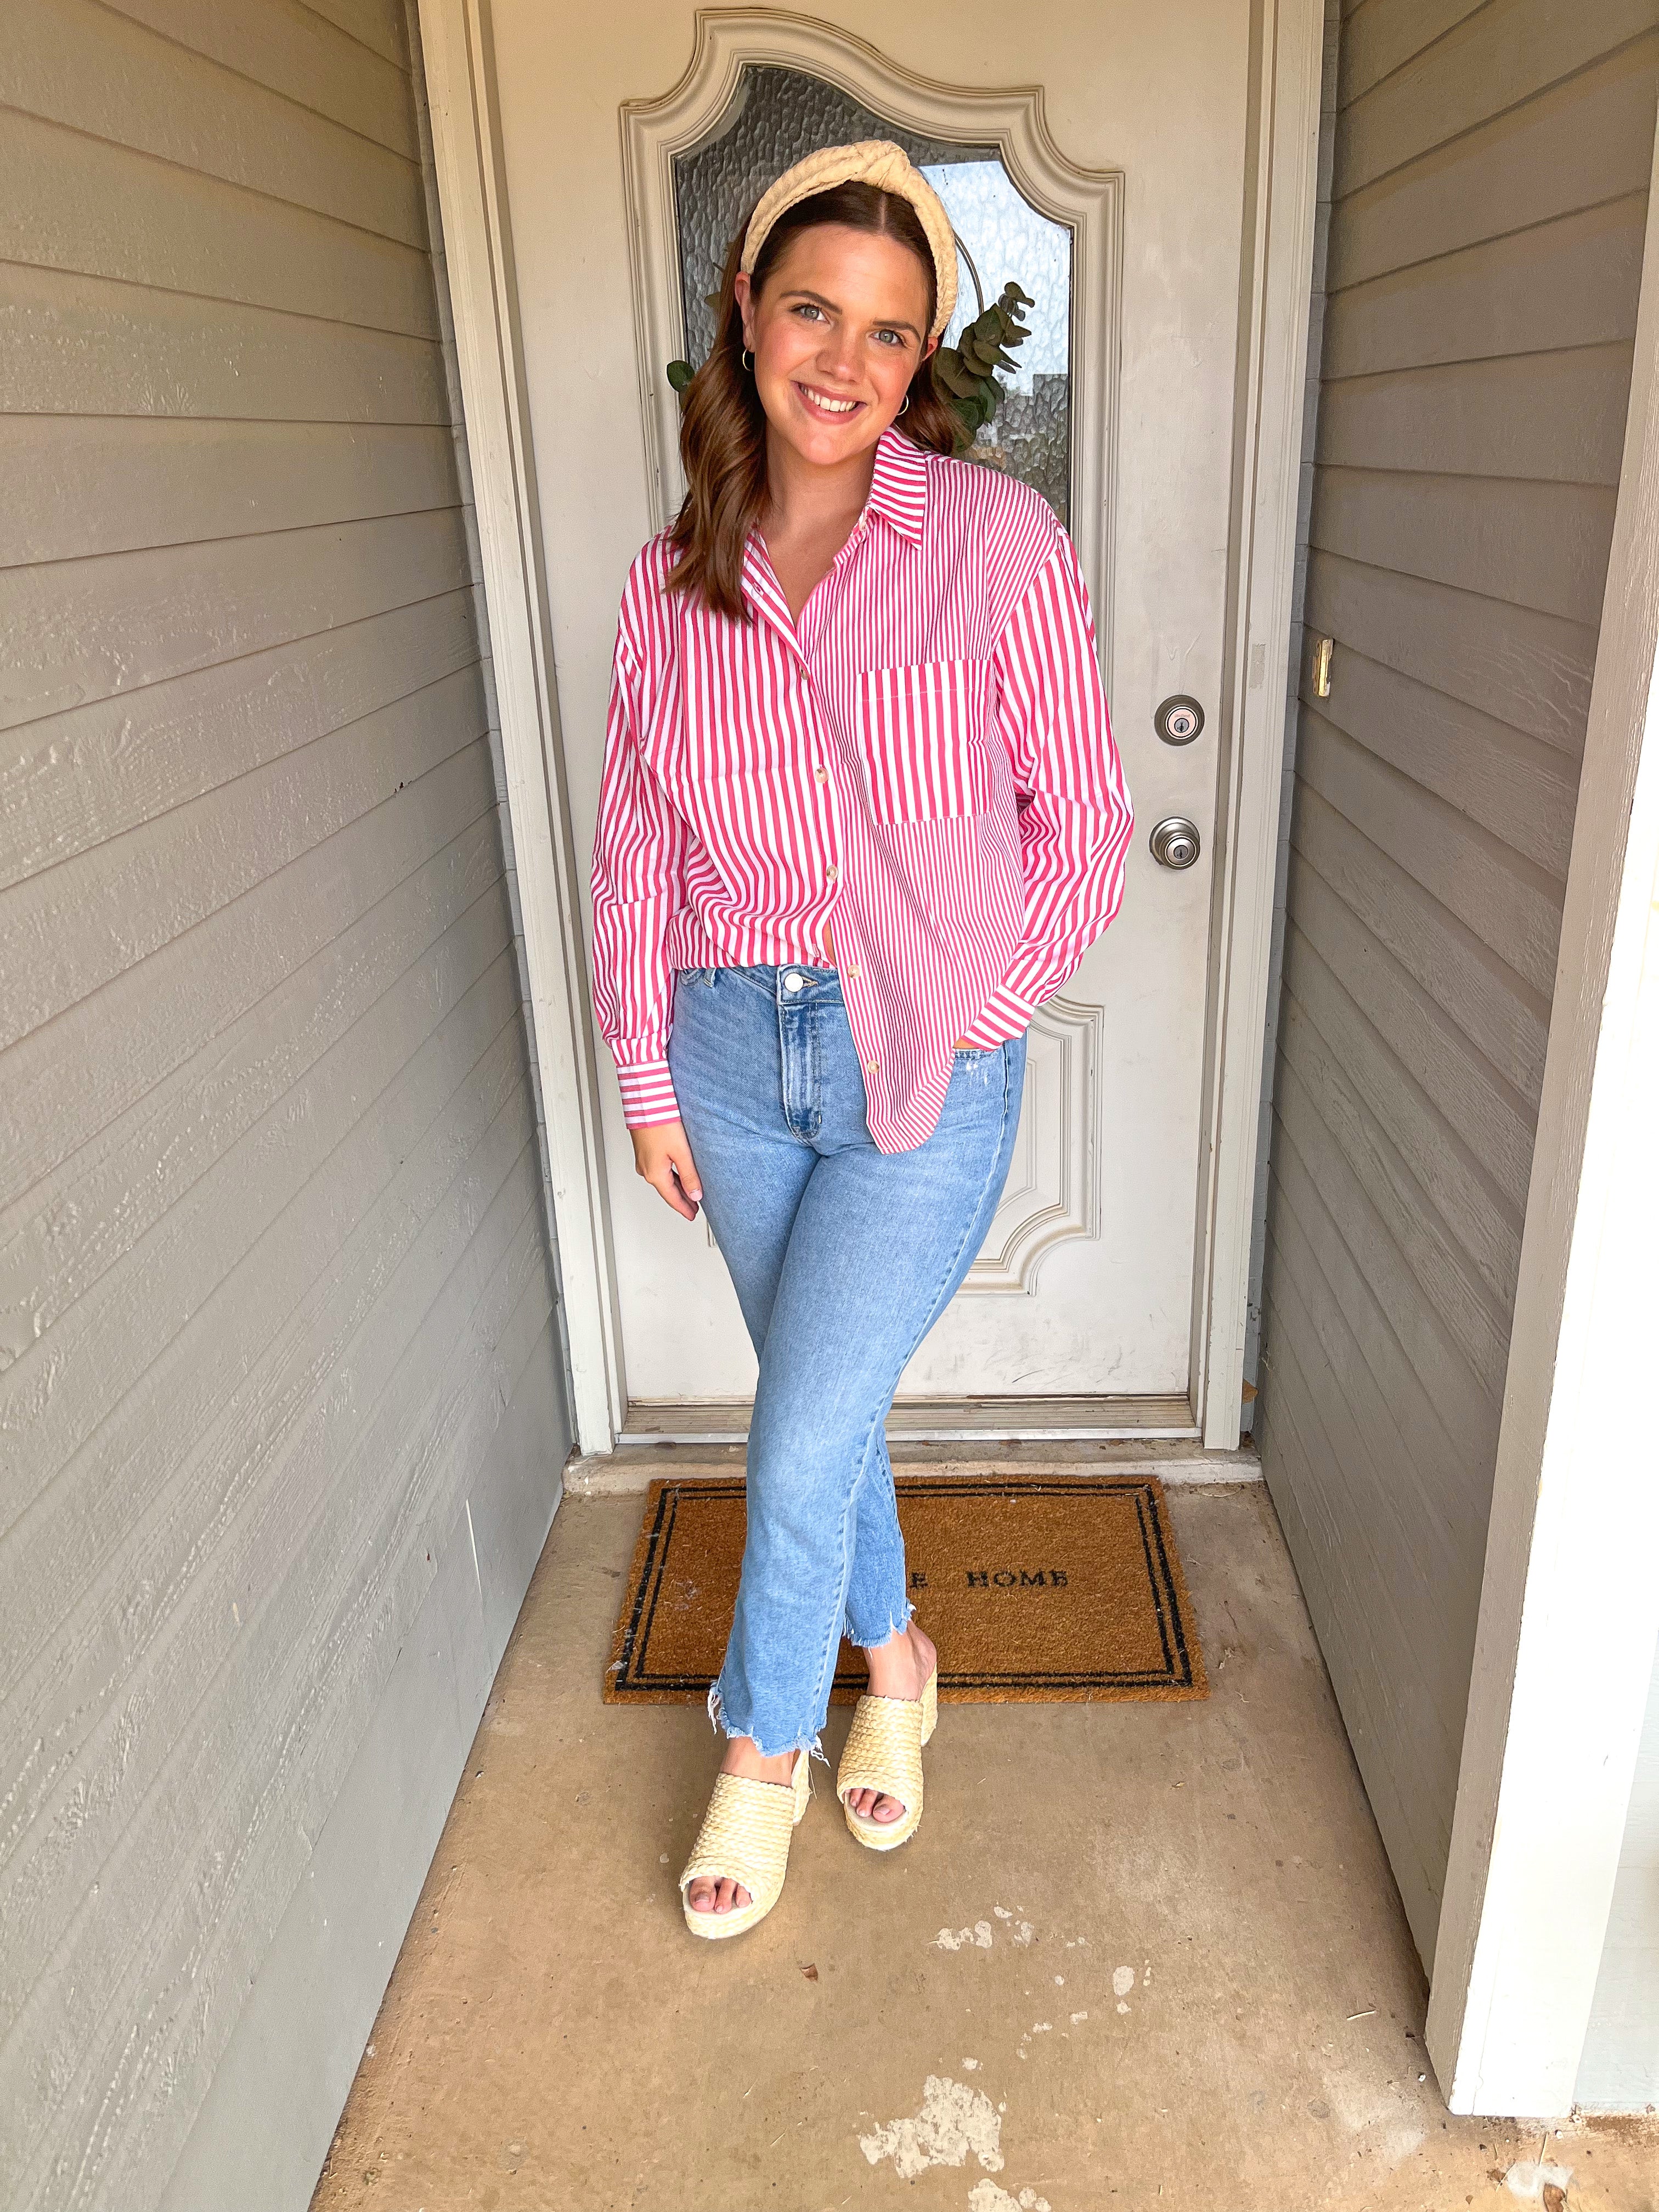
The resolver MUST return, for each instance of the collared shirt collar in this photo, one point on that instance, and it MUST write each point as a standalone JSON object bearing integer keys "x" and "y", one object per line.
{"x": 898, "y": 493}
{"x": 898, "y": 489}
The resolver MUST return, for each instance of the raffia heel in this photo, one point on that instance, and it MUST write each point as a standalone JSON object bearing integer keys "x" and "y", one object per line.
{"x": 744, "y": 1837}
{"x": 884, "y": 1753}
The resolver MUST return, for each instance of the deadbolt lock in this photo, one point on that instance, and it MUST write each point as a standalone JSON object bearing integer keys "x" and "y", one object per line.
{"x": 1179, "y": 720}
{"x": 1175, "y": 842}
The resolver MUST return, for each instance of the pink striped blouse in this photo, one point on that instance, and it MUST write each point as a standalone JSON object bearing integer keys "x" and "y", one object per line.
{"x": 924, "y": 763}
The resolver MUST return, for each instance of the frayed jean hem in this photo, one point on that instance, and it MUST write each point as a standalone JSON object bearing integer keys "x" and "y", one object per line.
{"x": 894, "y": 1628}
{"x": 722, "y": 1721}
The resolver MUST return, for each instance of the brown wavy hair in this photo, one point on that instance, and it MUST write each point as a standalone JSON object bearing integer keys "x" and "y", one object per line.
{"x": 723, "y": 424}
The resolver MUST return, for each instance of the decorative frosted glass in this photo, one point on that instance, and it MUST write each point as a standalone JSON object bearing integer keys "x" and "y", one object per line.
{"x": 779, "y": 115}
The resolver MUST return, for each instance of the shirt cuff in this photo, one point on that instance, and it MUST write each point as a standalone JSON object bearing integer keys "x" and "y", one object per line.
{"x": 1004, "y": 1015}
{"x": 647, "y": 1094}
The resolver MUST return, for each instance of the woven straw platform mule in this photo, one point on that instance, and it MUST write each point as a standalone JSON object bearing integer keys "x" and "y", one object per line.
{"x": 745, "y": 1837}
{"x": 884, "y": 1752}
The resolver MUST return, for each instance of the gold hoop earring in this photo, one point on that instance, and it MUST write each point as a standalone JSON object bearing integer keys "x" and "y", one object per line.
{"x": 748, "y": 359}
{"x": 905, "y": 402}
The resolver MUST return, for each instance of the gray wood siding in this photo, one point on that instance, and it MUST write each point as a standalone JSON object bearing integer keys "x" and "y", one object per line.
{"x": 1490, "y": 170}
{"x": 278, "y": 1342}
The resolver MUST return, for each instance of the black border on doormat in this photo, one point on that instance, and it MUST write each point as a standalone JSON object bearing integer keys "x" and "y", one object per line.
{"x": 1182, "y": 1677}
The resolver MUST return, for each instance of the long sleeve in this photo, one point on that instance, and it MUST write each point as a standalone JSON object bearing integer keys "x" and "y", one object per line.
{"x": 1074, "y": 810}
{"x": 638, "y": 856}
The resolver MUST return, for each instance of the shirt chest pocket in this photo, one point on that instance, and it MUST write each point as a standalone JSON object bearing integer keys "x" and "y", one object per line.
{"x": 922, "y": 731}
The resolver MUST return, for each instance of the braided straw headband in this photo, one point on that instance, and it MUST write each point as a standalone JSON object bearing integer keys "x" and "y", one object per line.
{"x": 872, "y": 161}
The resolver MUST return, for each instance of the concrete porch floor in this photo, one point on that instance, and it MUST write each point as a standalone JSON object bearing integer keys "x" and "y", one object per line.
{"x": 1140, "y": 1955}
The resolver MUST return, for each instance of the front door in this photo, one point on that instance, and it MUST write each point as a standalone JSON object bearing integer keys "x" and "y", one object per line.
{"x": 633, "y": 137}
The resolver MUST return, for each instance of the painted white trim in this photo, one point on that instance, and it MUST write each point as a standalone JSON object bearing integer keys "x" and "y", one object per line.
{"x": 1569, "y": 1604}
{"x": 1283, "y": 174}
{"x": 476, "y": 238}
{"x": 1090, "y": 201}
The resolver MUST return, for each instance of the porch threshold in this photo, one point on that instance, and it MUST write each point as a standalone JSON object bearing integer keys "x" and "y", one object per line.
{"x": 634, "y": 1465}
{"x": 935, "y": 1420}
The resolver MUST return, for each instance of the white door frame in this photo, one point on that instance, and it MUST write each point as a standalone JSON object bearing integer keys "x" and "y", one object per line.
{"x": 1281, "y": 158}
{"x": 1570, "y": 1603}
{"x": 477, "y": 245}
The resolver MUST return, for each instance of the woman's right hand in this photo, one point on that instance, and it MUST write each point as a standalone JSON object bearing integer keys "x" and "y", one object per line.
{"x": 663, "y": 1157}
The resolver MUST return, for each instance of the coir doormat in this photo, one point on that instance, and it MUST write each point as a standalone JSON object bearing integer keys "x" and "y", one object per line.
{"x": 1034, "y": 1589}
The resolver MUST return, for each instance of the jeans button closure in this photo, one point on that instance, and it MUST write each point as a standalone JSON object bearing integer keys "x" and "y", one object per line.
{"x": 791, "y": 981}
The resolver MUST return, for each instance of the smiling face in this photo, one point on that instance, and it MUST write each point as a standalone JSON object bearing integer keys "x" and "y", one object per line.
{"x": 838, "y": 330}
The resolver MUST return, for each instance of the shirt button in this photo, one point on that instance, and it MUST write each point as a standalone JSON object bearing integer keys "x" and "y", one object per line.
{"x": 832, "y": 875}
{"x": 870, "y": 1067}
{"x": 851, "y": 974}
{"x": 791, "y": 981}
{"x": 822, "y": 774}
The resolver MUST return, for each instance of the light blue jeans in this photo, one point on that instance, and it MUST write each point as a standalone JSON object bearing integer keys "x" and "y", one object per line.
{"x": 842, "y": 1258}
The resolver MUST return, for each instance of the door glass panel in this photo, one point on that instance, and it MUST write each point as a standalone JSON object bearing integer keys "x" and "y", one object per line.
{"x": 779, "y": 115}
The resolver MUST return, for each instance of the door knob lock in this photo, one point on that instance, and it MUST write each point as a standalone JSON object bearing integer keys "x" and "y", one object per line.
{"x": 1179, "y": 720}
{"x": 1174, "y": 842}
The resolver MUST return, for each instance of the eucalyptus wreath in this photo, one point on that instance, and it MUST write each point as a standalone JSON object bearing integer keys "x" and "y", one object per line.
{"x": 964, "y": 373}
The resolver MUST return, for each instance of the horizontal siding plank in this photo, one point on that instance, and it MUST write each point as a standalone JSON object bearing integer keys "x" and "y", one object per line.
{"x": 1530, "y": 670}
{"x": 1349, "y": 1155}
{"x": 1380, "y": 1529}
{"x": 267, "y": 1221}
{"x": 1304, "y": 1459}
{"x": 1524, "y": 792}
{"x": 291, "y": 49}
{"x": 434, "y": 1105}
{"x": 196, "y": 1828}
{"x": 1375, "y": 1534}
{"x": 1498, "y": 57}
{"x": 1512, "y": 908}
{"x": 1552, "y": 418}
{"x": 122, "y": 1042}
{"x": 1380, "y": 36}
{"x": 77, "y": 63}
{"x": 1433, "y": 1449}
{"x": 1586, "y": 141}
{"x": 1536, "y": 545}
{"x": 1567, "y": 284}
{"x": 383, "y": 985}
{"x": 86, "y": 345}
{"x": 376, "y": 24}
{"x": 71, "y": 780}
{"x": 81, "y": 484}
{"x": 1468, "y": 1400}
{"x": 70, "y": 931}
{"x": 330, "y": 1688}
{"x": 1347, "y": 1332}
{"x": 1504, "y": 1021}
{"x": 77, "y": 630}
{"x": 1326, "y": 1031}
{"x": 1425, "y": 1040}
{"x": 60, "y": 1235}
{"x": 78, "y": 203}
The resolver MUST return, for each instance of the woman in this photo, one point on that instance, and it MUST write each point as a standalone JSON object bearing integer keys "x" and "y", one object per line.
{"x": 861, "y": 814}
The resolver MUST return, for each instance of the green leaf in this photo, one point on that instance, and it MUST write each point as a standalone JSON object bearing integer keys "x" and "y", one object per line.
{"x": 958, "y": 380}
{"x": 680, "y": 373}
